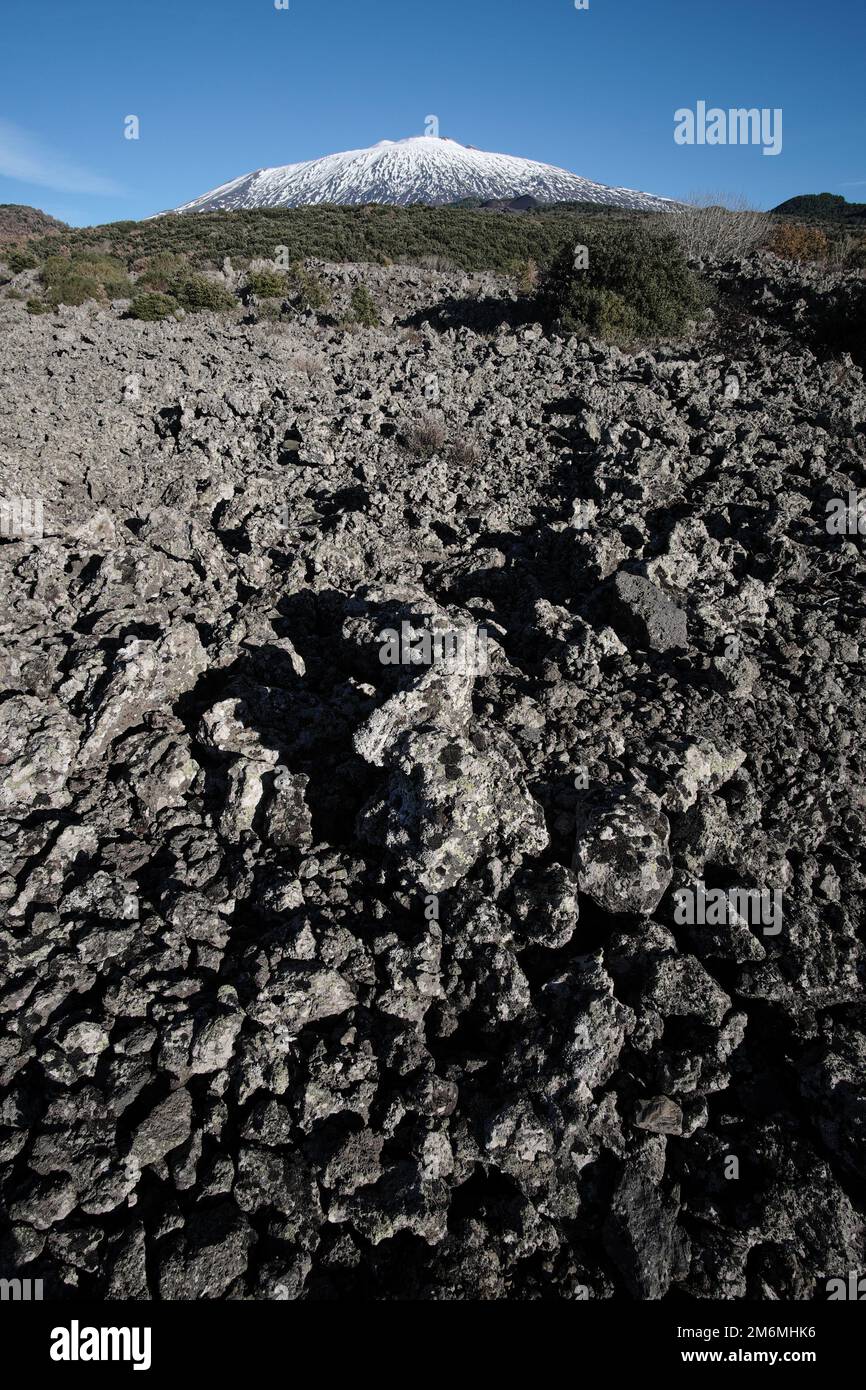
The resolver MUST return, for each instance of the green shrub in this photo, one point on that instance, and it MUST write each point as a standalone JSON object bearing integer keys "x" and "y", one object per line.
{"x": 153, "y": 307}
{"x": 74, "y": 290}
{"x": 458, "y": 237}
{"x": 269, "y": 311}
{"x": 197, "y": 293}
{"x": 632, "y": 283}
{"x": 37, "y": 306}
{"x": 74, "y": 280}
{"x": 161, "y": 270}
{"x": 364, "y": 310}
{"x": 308, "y": 291}
{"x": 268, "y": 284}
{"x": 19, "y": 258}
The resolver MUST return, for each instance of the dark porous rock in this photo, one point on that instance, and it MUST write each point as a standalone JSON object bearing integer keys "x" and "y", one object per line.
{"x": 641, "y": 1234}
{"x": 164, "y": 1129}
{"x": 622, "y": 857}
{"x": 337, "y": 968}
{"x": 206, "y": 1255}
{"x": 642, "y": 613}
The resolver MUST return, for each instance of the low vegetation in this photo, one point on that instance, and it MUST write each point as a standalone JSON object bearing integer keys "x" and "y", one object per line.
{"x": 623, "y": 284}
{"x": 364, "y": 311}
{"x": 268, "y": 284}
{"x": 76, "y": 279}
{"x": 426, "y": 436}
{"x": 196, "y": 293}
{"x": 19, "y": 258}
{"x": 153, "y": 307}
{"x": 717, "y": 226}
{"x": 638, "y": 282}
{"x": 794, "y": 242}
{"x": 308, "y": 292}
{"x": 441, "y": 238}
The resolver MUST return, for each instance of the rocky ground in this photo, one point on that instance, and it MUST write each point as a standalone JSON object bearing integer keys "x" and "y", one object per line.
{"x": 327, "y": 978}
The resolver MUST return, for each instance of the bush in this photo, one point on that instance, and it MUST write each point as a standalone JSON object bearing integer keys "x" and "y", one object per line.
{"x": 526, "y": 275}
{"x": 797, "y": 243}
{"x": 636, "y": 284}
{"x": 19, "y": 259}
{"x": 308, "y": 291}
{"x": 364, "y": 310}
{"x": 268, "y": 284}
{"x": 465, "y": 452}
{"x": 79, "y": 278}
{"x": 153, "y": 307}
{"x": 269, "y": 311}
{"x": 162, "y": 270}
{"x": 305, "y": 362}
{"x": 197, "y": 293}
{"x": 853, "y": 253}
{"x": 426, "y": 436}
{"x": 75, "y": 290}
{"x": 719, "y": 226}
{"x": 37, "y": 306}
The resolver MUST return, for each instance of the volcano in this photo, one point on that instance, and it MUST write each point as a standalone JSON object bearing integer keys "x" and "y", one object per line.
{"x": 423, "y": 169}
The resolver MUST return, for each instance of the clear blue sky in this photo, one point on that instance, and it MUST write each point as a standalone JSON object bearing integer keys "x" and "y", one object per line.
{"x": 222, "y": 87}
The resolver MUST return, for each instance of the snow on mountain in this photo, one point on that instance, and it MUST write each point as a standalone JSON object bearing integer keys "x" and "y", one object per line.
{"x": 422, "y": 169}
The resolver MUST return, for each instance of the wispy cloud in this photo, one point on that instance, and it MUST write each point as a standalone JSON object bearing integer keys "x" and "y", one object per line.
{"x": 25, "y": 158}
{"x": 854, "y": 183}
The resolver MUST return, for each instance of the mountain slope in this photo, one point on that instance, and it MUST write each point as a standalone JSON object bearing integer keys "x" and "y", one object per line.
{"x": 422, "y": 169}
{"x": 19, "y": 221}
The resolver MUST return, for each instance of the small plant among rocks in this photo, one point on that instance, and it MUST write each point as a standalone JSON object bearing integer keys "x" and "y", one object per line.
{"x": 526, "y": 274}
{"x": 465, "y": 452}
{"x": 308, "y": 364}
{"x": 267, "y": 284}
{"x": 197, "y": 293}
{"x": 153, "y": 307}
{"x": 364, "y": 311}
{"x": 849, "y": 253}
{"x": 307, "y": 292}
{"x": 427, "y": 436}
{"x": 160, "y": 271}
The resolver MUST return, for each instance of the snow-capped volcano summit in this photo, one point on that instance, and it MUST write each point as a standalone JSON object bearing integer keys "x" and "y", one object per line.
{"x": 422, "y": 169}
